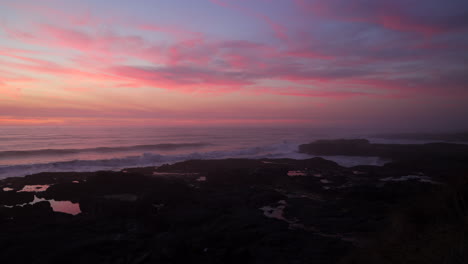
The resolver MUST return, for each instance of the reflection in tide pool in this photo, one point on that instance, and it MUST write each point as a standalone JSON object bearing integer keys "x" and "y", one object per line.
{"x": 34, "y": 188}
{"x": 296, "y": 173}
{"x": 57, "y": 206}
{"x": 60, "y": 206}
{"x": 65, "y": 207}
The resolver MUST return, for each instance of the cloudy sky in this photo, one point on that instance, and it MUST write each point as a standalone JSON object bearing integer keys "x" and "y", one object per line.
{"x": 322, "y": 63}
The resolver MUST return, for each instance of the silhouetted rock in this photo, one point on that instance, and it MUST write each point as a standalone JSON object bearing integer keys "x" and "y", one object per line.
{"x": 214, "y": 211}
{"x": 456, "y": 136}
{"x": 12, "y": 197}
{"x": 455, "y": 153}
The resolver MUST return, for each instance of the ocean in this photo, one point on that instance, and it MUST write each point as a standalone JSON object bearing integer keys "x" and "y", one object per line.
{"x": 27, "y": 150}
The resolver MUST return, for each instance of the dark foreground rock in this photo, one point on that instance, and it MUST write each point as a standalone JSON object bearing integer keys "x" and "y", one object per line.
{"x": 450, "y": 137}
{"x": 396, "y": 152}
{"x": 440, "y": 158}
{"x": 218, "y": 211}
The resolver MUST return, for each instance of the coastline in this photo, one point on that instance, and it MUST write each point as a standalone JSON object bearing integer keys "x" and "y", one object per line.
{"x": 224, "y": 210}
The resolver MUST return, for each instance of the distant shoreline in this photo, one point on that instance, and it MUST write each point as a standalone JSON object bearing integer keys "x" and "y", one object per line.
{"x": 221, "y": 209}
{"x": 346, "y": 152}
{"x": 448, "y": 137}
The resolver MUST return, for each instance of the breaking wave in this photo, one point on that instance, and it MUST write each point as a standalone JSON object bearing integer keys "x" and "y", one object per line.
{"x": 275, "y": 151}
{"x": 284, "y": 150}
{"x": 52, "y": 152}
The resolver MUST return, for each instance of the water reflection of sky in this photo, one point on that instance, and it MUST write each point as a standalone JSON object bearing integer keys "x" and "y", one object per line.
{"x": 57, "y": 206}
{"x": 60, "y": 206}
{"x": 34, "y": 188}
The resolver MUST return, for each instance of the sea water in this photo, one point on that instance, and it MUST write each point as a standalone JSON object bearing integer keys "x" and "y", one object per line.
{"x": 32, "y": 149}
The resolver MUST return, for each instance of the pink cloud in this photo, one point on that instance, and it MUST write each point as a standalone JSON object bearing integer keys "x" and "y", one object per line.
{"x": 182, "y": 79}
{"x": 302, "y": 92}
{"x": 11, "y": 83}
{"x": 192, "y": 66}
{"x": 105, "y": 42}
{"x": 193, "y": 62}
{"x": 54, "y": 69}
{"x": 7, "y": 91}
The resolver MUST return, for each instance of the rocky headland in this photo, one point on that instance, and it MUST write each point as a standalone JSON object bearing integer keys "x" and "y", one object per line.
{"x": 411, "y": 210}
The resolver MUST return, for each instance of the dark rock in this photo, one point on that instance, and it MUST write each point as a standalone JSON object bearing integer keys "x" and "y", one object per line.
{"x": 133, "y": 216}
{"x": 14, "y": 198}
{"x": 398, "y": 152}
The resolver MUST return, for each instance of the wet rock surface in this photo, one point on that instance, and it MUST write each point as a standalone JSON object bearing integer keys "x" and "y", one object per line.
{"x": 243, "y": 211}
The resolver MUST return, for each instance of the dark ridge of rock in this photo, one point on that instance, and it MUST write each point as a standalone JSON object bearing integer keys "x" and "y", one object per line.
{"x": 456, "y": 136}
{"x": 428, "y": 228}
{"x": 44, "y": 178}
{"x": 64, "y": 192}
{"x": 13, "y": 198}
{"x": 55, "y": 177}
{"x": 107, "y": 182}
{"x": 206, "y": 166}
{"x": 454, "y": 153}
{"x": 40, "y": 210}
{"x": 351, "y": 147}
{"x": 217, "y": 211}
{"x": 143, "y": 170}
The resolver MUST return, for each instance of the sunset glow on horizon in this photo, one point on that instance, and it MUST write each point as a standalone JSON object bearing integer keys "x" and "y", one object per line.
{"x": 340, "y": 63}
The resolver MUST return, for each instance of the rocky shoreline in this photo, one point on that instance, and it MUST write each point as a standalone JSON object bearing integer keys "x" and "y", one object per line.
{"x": 238, "y": 211}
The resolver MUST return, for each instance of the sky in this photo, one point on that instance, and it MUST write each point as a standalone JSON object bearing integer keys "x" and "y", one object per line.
{"x": 318, "y": 63}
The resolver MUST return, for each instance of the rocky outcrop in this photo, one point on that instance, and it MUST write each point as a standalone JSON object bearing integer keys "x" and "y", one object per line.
{"x": 209, "y": 211}
{"x": 395, "y": 152}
